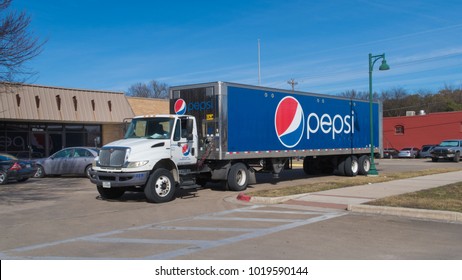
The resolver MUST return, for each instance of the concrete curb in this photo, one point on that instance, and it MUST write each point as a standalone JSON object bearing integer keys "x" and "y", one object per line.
{"x": 267, "y": 200}
{"x": 447, "y": 216}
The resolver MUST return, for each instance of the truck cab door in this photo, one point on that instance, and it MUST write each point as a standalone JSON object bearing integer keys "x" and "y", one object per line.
{"x": 184, "y": 142}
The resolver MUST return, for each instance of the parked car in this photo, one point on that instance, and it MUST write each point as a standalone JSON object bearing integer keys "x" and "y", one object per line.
{"x": 448, "y": 149}
{"x": 410, "y": 152}
{"x": 390, "y": 153}
{"x": 75, "y": 160}
{"x": 425, "y": 152}
{"x": 11, "y": 168}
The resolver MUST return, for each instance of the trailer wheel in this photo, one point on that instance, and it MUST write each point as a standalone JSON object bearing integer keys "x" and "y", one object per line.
{"x": 111, "y": 193}
{"x": 160, "y": 186}
{"x": 351, "y": 166}
{"x": 364, "y": 165}
{"x": 238, "y": 177}
{"x": 340, "y": 170}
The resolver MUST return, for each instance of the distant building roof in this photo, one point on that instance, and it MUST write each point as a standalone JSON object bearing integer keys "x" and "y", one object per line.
{"x": 43, "y": 103}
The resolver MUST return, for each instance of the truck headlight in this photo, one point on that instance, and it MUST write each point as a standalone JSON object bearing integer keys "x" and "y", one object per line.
{"x": 135, "y": 164}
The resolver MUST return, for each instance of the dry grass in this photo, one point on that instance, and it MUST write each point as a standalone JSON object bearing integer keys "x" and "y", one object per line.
{"x": 447, "y": 198}
{"x": 346, "y": 182}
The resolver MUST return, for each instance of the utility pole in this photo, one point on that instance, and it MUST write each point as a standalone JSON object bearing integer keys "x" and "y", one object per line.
{"x": 293, "y": 83}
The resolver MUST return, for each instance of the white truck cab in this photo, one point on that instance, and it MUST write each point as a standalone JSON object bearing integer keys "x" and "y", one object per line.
{"x": 149, "y": 157}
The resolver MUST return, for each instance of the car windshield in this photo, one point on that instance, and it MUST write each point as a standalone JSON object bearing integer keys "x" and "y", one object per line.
{"x": 406, "y": 149}
{"x": 449, "y": 144}
{"x": 152, "y": 128}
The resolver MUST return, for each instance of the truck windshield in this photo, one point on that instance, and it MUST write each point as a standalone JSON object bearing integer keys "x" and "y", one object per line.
{"x": 153, "y": 128}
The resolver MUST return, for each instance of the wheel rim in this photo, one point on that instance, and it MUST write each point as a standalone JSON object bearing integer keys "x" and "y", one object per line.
{"x": 241, "y": 177}
{"x": 38, "y": 173}
{"x": 354, "y": 166}
{"x": 367, "y": 165}
{"x": 163, "y": 186}
{"x": 2, "y": 177}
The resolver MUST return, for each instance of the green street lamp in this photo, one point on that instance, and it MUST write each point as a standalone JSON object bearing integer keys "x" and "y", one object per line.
{"x": 384, "y": 66}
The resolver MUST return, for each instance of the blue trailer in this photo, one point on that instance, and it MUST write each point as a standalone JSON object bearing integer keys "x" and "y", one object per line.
{"x": 264, "y": 128}
{"x": 226, "y": 132}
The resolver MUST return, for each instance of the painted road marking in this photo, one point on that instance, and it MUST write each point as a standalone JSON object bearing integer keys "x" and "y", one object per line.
{"x": 295, "y": 218}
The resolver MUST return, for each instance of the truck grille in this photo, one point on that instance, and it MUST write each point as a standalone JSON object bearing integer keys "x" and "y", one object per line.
{"x": 112, "y": 156}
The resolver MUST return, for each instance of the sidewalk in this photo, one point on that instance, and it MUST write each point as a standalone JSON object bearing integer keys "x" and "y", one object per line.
{"x": 352, "y": 198}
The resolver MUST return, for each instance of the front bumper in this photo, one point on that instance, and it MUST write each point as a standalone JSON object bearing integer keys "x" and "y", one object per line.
{"x": 118, "y": 179}
{"x": 443, "y": 154}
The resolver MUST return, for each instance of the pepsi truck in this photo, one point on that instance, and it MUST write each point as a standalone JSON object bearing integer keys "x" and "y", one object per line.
{"x": 225, "y": 133}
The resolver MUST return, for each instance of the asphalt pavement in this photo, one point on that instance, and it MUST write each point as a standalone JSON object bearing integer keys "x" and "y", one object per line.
{"x": 353, "y": 198}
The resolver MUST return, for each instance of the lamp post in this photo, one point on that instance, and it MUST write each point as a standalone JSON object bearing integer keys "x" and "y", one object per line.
{"x": 384, "y": 66}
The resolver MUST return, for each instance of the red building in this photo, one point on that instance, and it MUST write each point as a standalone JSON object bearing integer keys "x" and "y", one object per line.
{"x": 418, "y": 130}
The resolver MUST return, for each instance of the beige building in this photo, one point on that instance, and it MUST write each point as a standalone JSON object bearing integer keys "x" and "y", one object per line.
{"x": 40, "y": 120}
{"x": 148, "y": 106}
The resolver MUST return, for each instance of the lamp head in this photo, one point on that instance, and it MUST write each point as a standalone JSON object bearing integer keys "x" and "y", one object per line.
{"x": 384, "y": 66}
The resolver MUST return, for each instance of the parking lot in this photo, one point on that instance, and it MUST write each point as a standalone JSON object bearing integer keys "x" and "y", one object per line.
{"x": 64, "y": 218}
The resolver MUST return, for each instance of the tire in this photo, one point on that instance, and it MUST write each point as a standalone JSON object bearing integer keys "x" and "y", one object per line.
{"x": 457, "y": 157}
{"x": 110, "y": 193}
{"x": 160, "y": 187}
{"x": 364, "y": 162}
{"x": 434, "y": 159}
{"x": 351, "y": 166}
{"x": 340, "y": 170}
{"x": 87, "y": 171}
{"x": 3, "y": 178}
{"x": 40, "y": 173}
{"x": 238, "y": 177}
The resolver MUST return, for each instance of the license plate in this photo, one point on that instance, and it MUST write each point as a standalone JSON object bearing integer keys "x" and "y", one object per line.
{"x": 107, "y": 185}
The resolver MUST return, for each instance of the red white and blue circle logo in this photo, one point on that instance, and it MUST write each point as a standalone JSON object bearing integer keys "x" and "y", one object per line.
{"x": 289, "y": 122}
{"x": 180, "y": 107}
{"x": 185, "y": 150}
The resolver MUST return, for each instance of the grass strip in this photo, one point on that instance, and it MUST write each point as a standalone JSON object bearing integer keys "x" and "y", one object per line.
{"x": 447, "y": 198}
{"x": 345, "y": 182}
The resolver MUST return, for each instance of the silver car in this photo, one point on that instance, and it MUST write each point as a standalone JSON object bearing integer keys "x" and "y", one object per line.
{"x": 411, "y": 152}
{"x": 75, "y": 160}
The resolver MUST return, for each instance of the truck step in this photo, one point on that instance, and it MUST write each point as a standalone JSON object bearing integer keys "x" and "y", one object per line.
{"x": 189, "y": 186}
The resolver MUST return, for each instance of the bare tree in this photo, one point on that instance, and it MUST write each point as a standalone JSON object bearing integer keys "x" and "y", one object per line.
{"x": 17, "y": 44}
{"x": 152, "y": 89}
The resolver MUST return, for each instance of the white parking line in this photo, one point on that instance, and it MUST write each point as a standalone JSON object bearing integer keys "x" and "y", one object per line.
{"x": 190, "y": 246}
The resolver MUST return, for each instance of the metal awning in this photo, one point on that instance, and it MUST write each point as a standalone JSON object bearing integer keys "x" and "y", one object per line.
{"x": 43, "y": 103}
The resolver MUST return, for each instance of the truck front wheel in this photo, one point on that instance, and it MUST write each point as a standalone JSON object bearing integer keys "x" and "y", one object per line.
{"x": 238, "y": 177}
{"x": 160, "y": 187}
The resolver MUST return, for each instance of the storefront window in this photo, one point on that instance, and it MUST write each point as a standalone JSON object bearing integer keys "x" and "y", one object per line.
{"x": 45, "y": 139}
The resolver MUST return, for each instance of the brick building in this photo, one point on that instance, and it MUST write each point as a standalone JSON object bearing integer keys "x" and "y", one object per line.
{"x": 418, "y": 130}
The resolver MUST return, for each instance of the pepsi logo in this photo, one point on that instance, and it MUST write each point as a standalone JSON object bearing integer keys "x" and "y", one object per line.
{"x": 289, "y": 121}
{"x": 180, "y": 107}
{"x": 185, "y": 150}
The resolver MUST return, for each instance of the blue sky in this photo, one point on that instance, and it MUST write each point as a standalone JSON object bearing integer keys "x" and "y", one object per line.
{"x": 323, "y": 45}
